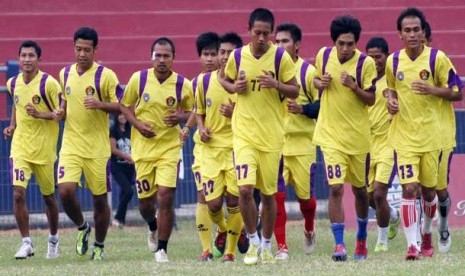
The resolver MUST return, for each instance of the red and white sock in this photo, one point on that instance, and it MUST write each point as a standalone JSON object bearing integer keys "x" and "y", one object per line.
{"x": 408, "y": 213}
{"x": 429, "y": 211}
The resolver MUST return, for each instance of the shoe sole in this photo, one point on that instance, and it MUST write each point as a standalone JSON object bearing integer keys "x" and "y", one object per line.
{"x": 412, "y": 258}
{"x": 340, "y": 258}
{"x": 23, "y": 258}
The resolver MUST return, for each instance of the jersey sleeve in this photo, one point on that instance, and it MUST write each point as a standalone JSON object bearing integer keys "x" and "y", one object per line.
{"x": 312, "y": 91}
{"x": 53, "y": 92}
{"x": 200, "y": 98}
{"x": 390, "y": 78}
{"x": 131, "y": 92}
{"x": 62, "y": 84}
{"x": 8, "y": 87}
{"x": 230, "y": 69}
{"x": 287, "y": 68}
{"x": 369, "y": 75}
{"x": 112, "y": 87}
{"x": 187, "y": 98}
{"x": 319, "y": 63}
{"x": 445, "y": 74}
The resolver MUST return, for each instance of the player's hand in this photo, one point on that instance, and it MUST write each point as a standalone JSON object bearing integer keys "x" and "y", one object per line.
{"x": 128, "y": 159}
{"x": 348, "y": 81}
{"x": 173, "y": 118}
{"x": 31, "y": 110}
{"x": 58, "y": 114}
{"x": 421, "y": 87}
{"x": 325, "y": 80}
{"x": 184, "y": 134}
{"x": 92, "y": 103}
{"x": 8, "y": 132}
{"x": 393, "y": 105}
{"x": 145, "y": 129}
{"x": 227, "y": 109}
{"x": 240, "y": 86}
{"x": 205, "y": 134}
{"x": 267, "y": 80}
{"x": 293, "y": 107}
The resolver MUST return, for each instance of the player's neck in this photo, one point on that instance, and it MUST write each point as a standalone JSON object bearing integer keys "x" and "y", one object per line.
{"x": 82, "y": 69}
{"x": 29, "y": 76}
{"x": 413, "y": 53}
{"x": 163, "y": 76}
{"x": 257, "y": 53}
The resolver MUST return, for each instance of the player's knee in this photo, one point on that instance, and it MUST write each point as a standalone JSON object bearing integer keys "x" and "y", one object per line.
{"x": 214, "y": 206}
{"x": 100, "y": 203}
{"x": 379, "y": 196}
{"x": 246, "y": 193}
{"x": 409, "y": 190}
{"x": 336, "y": 191}
{"x": 19, "y": 195}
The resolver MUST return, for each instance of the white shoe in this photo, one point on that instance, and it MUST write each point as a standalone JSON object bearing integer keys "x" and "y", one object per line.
{"x": 26, "y": 250}
{"x": 152, "y": 241}
{"x": 116, "y": 223}
{"x": 309, "y": 242}
{"x": 52, "y": 250}
{"x": 282, "y": 254}
{"x": 161, "y": 256}
{"x": 444, "y": 241}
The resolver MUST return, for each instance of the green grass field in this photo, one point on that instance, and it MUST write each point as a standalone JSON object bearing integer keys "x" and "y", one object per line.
{"x": 127, "y": 254}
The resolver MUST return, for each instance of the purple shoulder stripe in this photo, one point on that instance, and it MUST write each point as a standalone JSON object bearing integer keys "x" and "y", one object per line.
{"x": 13, "y": 86}
{"x": 179, "y": 85}
{"x": 206, "y": 82}
{"x": 194, "y": 84}
{"x": 277, "y": 61}
{"x": 432, "y": 61}
{"x": 98, "y": 77}
{"x": 142, "y": 81}
{"x": 395, "y": 63}
{"x": 459, "y": 82}
{"x": 66, "y": 75}
{"x": 119, "y": 92}
{"x": 43, "y": 82}
{"x": 237, "y": 58}
{"x": 326, "y": 54}
{"x": 358, "y": 72}
{"x": 303, "y": 73}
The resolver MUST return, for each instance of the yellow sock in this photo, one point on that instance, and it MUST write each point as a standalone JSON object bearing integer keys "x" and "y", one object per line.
{"x": 235, "y": 225}
{"x": 204, "y": 226}
{"x": 219, "y": 219}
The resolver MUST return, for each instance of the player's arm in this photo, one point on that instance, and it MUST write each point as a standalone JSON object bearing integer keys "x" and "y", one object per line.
{"x": 233, "y": 81}
{"x": 393, "y": 102}
{"x": 93, "y": 103}
{"x": 10, "y": 130}
{"x": 204, "y": 132}
{"x": 365, "y": 96}
{"x": 289, "y": 89}
{"x": 311, "y": 110}
{"x": 144, "y": 128}
{"x": 421, "y": 87}
{"x": 190, "y": 124}
{"x": 117, "y": 152}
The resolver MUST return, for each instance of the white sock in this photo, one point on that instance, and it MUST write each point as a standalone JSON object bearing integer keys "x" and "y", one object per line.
{"x": 53, "y": 238}
{"x": 394, "y": 215}
{"x": 27, "y": 240}
{"x": 419, "y": 207}
{"x": 253, "y": 238}
{"x": 409, "y": 212}
{"x": 382, "y": 234}
{"x": 266, "y": 244}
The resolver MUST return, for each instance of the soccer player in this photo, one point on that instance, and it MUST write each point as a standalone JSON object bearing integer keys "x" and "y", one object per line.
{"x": 33, "y": 148}
{"x": 382, "y": 169}
{"x": 345, "y": 76}
{"x": 448, "y": 139}
{"x": 262, "y": 75}
{"x": 155, "y": 101}
{"x": 419, "y": 78}
{"x": 89, "y": 94}
{"x": 299, "y": 153}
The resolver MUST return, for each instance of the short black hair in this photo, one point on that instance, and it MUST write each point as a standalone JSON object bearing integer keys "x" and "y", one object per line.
{"x": 427, "y": 31}
{"x": 261, "y": 14}
{"x": 209, "y": 40}
{"x": 345, "y": 24}
{"x": 87, "y": 33}
{"x": 378, "y": 42}
{"x": 28, "y": 44}
{"x": 163, "y": 41}
{"x": 293, "y": 29}
{"x": 232, "y": 38}
{"x": 411, "y": 12}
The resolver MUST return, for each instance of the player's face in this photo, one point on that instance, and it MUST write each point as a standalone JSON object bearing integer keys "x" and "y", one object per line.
{"x": 224, "y": 52}
{"x": 411, "y": 33}
{"x": 162, "y": 58}
{"x": 84, "y": 51}
{"x": 380, "y": 59}
{"x": 284, "y": 40}
{"x": 345, "y": 45}
{"x": 28, "y": 60}
{"x": 209, "y": 60}
{"x": 260, "y": 34}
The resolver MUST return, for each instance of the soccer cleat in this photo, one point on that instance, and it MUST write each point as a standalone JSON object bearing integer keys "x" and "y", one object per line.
{"x": 267, "y": 257}
{"x": 381, "y": 247}
{"x": 309, "y": 242}
{"x": 243, "y": 242}
{"x": 340, "y": 254}
{"x": 282, "y": 254}
{"x": 444, "y": 241}
{"x": 427, "y": 248}
{"x": 152, "y": 241}
{"x": 220, "y": 244}
{"x": 361, "y": 251}
{"x": 97, "y": 254}
{"x": 82, "y": 242}
{"x": 393, "y": 227}
{"x": 161, "y": 256}
{"x": 26, "y": 250}
{"x": 206, "y": 256}
{"x": 251, "y": 257}
{"x": 52, "y": 250}
{"x": 229, "y": 258}
{"x": 412, "y": 253}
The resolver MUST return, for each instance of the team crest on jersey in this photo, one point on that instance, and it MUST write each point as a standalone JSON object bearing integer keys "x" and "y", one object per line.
{"x": 146, "y": 97}
{"x": 68, "y": 90}
{"x": 209, "y": 102}
{"x": 35, "y": 99}
{"x": 90, "y": 91}
{"x": 16, "y": 99}
{"x": 170, "y": 101}
{"x": 400, "y": 76}
{"x": 424, "y": 74}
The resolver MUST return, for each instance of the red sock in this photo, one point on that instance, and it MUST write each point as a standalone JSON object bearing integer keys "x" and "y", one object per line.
{"x": 308, "y": 212}
{"x": 408, "y": 211}
{"x": 281, "y": 218}
{"x": 429, "y": 208}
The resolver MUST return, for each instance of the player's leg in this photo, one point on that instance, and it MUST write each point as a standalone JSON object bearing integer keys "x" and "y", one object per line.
{"x": 444, "y": 201}
{"x": 281, "y": 215}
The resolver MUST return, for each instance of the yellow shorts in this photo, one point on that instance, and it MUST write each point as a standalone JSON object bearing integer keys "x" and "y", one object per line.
{"x": 22, "y": 170}
{"x": 257, "y": 168}
{"x": 218, "y": 173}
{"x": 444, "y": 168}
{"x": 154, "y": 173}
{"x": 341, "y": 167}
{"x": 96, "y": 172}
{"x": 299, "y": 171}
{"x": 197, "y": 153}
{"x": 382, "y": 170}
{"x": 418, "y": 167}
